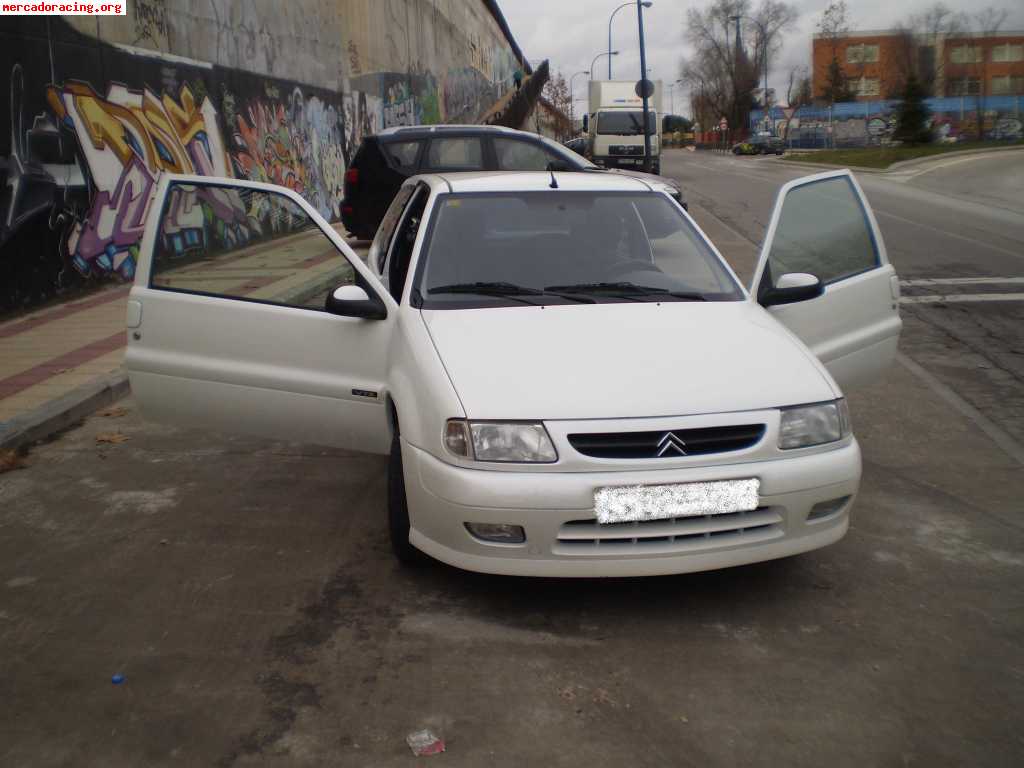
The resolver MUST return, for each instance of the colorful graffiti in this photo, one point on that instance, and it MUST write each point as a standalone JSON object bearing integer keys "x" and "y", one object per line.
{"x": 127, "y": 138}
{"x": 89, "y": 139}
{"x": 861, "y": 123}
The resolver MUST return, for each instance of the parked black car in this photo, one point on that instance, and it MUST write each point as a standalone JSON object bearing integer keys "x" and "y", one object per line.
{"x": 386, "y": 159}
{"x": 760, "y": 145}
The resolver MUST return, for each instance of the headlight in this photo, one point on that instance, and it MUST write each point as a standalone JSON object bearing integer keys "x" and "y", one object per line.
{"x": 805, "y": 425}
{"x": 513, "y": 441}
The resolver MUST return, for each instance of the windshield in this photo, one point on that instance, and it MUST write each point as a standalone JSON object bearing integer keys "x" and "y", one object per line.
{"x": 513, "y": 249}
{"x": 626, "y": 123}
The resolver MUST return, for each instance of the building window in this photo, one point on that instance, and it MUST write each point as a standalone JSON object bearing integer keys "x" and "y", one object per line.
{"x": 1008, "y": 52}
{"x": 861, "y": 54}
{"x": 1007, "y": 85}
{"x": 866, "y": 86}
{"x": 964, "y": 86}
{"x": 965, "y": 54}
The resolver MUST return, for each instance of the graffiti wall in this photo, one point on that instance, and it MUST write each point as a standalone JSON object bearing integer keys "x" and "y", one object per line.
{"x": 98, "y": 111}
{"x": 861, "y": 124}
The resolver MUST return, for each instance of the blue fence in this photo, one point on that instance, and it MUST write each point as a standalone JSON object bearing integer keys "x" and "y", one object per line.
{"x": 865, "y": 123}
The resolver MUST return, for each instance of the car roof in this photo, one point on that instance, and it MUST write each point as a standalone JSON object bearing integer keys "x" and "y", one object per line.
{"x": 419, "y": 131}
{"x": 529, "y": 181}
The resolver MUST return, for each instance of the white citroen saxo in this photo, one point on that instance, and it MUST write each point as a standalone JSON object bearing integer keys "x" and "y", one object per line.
{"x": 567, "y": 377}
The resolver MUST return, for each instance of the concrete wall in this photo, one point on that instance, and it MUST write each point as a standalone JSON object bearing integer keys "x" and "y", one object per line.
{"x": 260, "y": 89}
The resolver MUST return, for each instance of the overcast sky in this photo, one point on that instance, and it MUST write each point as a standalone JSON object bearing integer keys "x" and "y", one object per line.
{"x": 571, "y": 32}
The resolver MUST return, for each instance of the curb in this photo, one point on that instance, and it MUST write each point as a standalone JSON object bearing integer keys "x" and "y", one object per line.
{"x": 63, "y": 412}
{"x": 906, "y": 164}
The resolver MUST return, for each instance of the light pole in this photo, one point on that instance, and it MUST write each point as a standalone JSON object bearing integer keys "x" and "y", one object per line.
{"x": 572, "y": 102}
{"x": 624, "y": 5}
{"x": 643, "y": 86}
{"x": 609, "y": 54}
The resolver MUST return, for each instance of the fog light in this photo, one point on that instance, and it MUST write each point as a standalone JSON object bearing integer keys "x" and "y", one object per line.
{"x": 499, "y": 533}
{"x": 827, "y": 508}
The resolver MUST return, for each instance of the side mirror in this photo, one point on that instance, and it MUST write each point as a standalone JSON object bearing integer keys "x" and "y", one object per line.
{"x": 790, "y": 288}
{"x": 586, "y": 123}
{"x": 353, "y": 301}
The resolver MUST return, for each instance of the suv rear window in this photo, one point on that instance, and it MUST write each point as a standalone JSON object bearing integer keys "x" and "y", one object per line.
{"x": 402, "y": 154}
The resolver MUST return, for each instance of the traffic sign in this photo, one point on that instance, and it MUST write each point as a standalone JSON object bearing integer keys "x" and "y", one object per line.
{"x": 723, "y": 124}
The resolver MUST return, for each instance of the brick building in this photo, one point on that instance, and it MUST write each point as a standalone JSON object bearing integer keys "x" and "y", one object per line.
{"x": 876, "y": 63}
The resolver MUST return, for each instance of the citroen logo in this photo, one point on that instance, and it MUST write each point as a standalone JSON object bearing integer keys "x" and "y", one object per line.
{"x": 670, "y": 442}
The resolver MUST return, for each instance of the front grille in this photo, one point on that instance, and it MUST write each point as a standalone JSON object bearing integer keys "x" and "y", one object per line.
{"x": 679, "y": 534}
{"x": 666, "y": 443}
{"x": 625, "y": 149}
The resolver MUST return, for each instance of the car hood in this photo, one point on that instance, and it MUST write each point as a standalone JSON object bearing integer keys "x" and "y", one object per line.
{"x": 626, "y": 360}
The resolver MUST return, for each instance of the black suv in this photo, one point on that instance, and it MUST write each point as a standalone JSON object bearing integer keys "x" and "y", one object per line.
{"x": 385, "y": 160}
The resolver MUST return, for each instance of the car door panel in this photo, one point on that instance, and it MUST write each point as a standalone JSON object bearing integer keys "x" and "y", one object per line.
{"x": 823, "y": 225}
{"x": 233, "y": 336}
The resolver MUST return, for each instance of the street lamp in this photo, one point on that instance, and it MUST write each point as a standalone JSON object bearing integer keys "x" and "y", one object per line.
{"x": 572, "y": 102}
{"x": 643, "y": 82}
{"x": 646, "y": 4}
{"x": 609, "y": 54}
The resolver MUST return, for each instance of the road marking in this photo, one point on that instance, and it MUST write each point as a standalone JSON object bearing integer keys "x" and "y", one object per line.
{"x": 978, "y": 243}
{"x": 961, "y": 298}
{"x": 962, "y": 281}
{"x": 1005, "y": 441}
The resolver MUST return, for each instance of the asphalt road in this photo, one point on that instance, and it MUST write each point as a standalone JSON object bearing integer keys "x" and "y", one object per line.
{"x": 246, "y": 592}
{"x": 959, "y": 220}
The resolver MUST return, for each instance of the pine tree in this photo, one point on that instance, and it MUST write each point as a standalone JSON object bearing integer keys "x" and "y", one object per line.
{"x": 912, "y": 114}
{"x": 836, "y": 88}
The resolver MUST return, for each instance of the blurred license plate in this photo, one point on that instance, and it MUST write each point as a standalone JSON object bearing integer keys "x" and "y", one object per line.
{"x": 633, "y": 503}
{"x": 629, "y": 161}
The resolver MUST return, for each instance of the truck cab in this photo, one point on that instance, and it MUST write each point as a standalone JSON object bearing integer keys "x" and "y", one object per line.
{"x": 615, "y": 124}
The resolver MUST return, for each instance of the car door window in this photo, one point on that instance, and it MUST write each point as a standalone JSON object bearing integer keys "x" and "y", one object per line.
{"x": 456, "y": 153}
{"x": 244, "y": 244}
{"x": 516, "y": 155}
{"x": 382, "y": 240}
{"x": 397, "y": 266}
{"x": 403, "y": 154}
{"x": 823, "y": 230}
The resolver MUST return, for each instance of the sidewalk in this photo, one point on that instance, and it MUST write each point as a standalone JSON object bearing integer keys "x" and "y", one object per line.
{"x": 60, "y": 359}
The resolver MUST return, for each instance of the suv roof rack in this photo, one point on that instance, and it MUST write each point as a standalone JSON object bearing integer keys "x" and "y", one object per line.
{"x": 398, "y": 129}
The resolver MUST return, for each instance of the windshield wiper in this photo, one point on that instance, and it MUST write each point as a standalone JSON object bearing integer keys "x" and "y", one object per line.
{"x": 504, "y": 289}
{"x": 626, "y": 289}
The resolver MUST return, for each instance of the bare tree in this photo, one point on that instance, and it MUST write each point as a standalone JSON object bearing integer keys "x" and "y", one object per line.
{"x": 771, "y": 20}
{"x": 834, "y": 25}
{"x": 721, "y": 75}
{"x": 985, "y": 25}
{"x": 798, "y": 87}
{"x": 918, "y": 49}
{"x": 556, "y": 91}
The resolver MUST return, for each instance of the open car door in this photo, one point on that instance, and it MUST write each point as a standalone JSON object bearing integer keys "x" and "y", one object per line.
{"x": 251, "y": 314}
{"x": 823, "y": 226}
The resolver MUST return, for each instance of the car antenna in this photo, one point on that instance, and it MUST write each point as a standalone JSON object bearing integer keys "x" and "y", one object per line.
{"x": 554, "y": 181}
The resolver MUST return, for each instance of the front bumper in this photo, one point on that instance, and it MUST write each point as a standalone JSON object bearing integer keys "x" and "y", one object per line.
{"x": 552, "y": 507}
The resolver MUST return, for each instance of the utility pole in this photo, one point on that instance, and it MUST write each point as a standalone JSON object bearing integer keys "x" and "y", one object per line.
{"x": 643, "y": 87}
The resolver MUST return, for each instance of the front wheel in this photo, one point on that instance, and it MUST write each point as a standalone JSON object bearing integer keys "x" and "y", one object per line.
{"x": 398, "y": 509}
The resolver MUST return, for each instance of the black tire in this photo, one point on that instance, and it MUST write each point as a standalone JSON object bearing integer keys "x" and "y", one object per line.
{"x": 398, "y": 509}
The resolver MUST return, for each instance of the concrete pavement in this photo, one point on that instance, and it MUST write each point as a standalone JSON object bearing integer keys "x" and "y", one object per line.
{"x": 246, "y": 591}
{"x": 967, "y": 329}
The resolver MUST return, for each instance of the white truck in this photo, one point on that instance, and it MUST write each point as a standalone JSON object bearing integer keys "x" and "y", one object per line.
{"x": 614, "y": 124}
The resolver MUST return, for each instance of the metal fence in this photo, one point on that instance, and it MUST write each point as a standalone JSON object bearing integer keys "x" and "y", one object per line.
{"x": 871, "y": 123}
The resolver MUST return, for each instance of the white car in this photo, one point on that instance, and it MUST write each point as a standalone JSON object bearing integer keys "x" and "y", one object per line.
{"x": 568, "y": 378}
